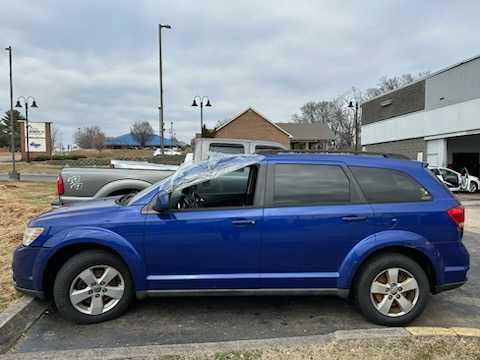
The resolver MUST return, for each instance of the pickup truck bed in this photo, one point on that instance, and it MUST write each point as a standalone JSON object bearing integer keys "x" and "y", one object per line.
{"x": 81, "y": 184}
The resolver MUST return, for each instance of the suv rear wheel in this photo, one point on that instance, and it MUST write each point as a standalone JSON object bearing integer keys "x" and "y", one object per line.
{"x": 92, "y": 286}
{"x": 392, "y": 290}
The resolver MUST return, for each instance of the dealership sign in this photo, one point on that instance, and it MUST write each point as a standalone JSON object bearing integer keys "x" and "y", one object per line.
{"x": 37, "y": 137}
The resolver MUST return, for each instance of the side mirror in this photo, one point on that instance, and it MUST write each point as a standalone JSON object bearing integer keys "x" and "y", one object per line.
{"x": 162, "y": 201}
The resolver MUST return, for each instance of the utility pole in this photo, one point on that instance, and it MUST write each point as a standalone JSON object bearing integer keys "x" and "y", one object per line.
{"x": 13, "y": 175}
{"x": 160, "y": 27}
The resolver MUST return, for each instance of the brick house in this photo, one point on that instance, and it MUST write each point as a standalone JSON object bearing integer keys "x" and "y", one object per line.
{"x": 252, "y": 125}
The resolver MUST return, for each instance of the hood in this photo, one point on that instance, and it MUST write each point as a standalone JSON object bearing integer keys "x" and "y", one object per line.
{"x": 83, "y": 207}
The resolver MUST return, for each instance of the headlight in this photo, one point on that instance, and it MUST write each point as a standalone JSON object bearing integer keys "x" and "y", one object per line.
{"x": 30, "y": 234}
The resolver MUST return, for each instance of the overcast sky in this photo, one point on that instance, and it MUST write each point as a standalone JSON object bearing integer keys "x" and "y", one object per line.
{"x": 96, "y": 62}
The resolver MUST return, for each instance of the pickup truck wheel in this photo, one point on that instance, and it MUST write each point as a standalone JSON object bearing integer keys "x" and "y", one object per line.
{"x": 392, "y": 290}
{"x": 92, "y": 286}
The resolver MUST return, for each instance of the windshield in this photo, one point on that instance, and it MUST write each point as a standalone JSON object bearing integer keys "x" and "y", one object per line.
{"x": 191, "y": 174}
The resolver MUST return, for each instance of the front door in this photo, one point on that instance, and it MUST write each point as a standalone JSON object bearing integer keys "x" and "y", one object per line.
{"x": 313, "y": 218}
{"x": 214, "y": 244}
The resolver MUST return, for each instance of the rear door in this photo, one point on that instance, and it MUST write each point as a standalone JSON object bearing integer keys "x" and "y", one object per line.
{"x": 314, "y": 215}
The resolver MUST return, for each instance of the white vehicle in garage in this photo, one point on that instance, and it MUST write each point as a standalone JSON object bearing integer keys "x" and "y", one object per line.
{"x": 457, "y": 181}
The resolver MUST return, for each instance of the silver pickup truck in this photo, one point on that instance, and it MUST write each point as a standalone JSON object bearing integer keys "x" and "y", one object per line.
{"x": 79, "y": 184}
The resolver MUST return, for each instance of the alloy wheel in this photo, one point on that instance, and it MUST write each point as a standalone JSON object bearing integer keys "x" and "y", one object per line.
{"x": 97, "y": 289}
{"x": 394, "y": 292}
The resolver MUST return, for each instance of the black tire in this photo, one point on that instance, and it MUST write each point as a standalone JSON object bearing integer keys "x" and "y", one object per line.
{"x": 73, "y": 267}
{"x": 369, "y": 272}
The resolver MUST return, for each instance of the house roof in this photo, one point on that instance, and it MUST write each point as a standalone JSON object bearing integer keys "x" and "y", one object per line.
{"x": 129, "y": 140}
{"x": 306, "y": 131}
{"x": 255, "y": 111}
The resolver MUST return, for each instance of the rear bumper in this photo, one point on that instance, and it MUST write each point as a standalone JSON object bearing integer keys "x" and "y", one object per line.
{"x": 66, "y": 200}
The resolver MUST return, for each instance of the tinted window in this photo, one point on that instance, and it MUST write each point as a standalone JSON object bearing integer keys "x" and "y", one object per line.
{"x": 267, "y": 147}
{"x": 296, "y": 184}
{"x": 227, "y": 148}
{"x": 385, "y": 185}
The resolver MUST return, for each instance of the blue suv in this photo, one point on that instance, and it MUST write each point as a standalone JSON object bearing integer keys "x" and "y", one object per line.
{"x": 380, "y": 230}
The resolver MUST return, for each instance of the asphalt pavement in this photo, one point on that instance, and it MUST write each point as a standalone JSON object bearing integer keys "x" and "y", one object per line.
{"x": 32, "y": 177}
{"x": 193, "y": 320}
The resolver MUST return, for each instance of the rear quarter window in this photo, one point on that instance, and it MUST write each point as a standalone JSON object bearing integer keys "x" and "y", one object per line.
{"x": 387, "y": 185}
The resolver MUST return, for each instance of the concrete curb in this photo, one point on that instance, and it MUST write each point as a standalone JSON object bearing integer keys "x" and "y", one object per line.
{"x": 155, "y": 351}
{"x": 17, "y": 318}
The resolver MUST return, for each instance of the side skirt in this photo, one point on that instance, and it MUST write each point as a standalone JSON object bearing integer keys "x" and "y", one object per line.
{"x": 343, "y": 293}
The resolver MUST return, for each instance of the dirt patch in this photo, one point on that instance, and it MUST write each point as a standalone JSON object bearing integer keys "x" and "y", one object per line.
{"x": 19, "y": 202}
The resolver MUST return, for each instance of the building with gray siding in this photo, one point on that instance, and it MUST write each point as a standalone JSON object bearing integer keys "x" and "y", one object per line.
{"x": 435, "y": 119}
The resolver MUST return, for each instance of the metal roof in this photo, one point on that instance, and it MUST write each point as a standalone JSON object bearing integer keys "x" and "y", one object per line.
{"x": 129, "y": 140}
{"x": 306, "y": 131}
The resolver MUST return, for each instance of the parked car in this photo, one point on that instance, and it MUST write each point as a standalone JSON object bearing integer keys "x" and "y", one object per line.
{"x": 125, "y": 177}
{"x": 380, "y": 230}
{"x": 456, "y": 181}
{"x": 168, "y": 151}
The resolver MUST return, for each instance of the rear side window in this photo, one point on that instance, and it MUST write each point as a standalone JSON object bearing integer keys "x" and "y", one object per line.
{"x": 296, "y": 184}
{"x": 386, "y": 185}
{"x": 227, "y": 148}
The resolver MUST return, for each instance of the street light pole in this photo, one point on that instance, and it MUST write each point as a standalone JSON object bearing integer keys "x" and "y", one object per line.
{"x": 13, "y": 175}
{"x": 160, "y": 27}
{"x": 201, "y": 99}
{"x": 351, "y": 106}
{"x": 27, "y": 127}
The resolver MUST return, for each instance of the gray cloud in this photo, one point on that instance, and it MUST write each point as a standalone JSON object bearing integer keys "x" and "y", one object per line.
{"x": 95, "y": 62}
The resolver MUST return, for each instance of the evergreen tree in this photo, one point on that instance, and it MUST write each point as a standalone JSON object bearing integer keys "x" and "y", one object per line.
{"x": 5, "y": 129}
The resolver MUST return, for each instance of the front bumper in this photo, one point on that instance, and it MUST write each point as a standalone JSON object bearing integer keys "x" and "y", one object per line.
{"x": 39, "y": 294}
{"x": 25, "y": 266}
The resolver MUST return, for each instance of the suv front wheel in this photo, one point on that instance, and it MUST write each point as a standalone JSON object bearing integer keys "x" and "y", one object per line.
{"x": 92, "y": 286}
{"x": 392, "y": 290}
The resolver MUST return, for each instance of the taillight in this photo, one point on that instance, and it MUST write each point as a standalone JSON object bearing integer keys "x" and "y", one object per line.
{"x": 457, "y": 214}
{"x": 60, "y": 186}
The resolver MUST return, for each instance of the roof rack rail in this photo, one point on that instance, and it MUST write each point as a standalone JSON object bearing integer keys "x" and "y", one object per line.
{"x": 337, "y": 152}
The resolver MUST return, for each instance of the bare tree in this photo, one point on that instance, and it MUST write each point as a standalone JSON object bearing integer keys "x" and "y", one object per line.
{"x": 90, "y": 138}
{"x": 99, "y": 141}
{"x": 142, "y": 132}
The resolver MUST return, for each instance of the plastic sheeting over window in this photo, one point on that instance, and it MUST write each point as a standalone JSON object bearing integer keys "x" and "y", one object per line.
{"x": 191, "y": 174}
{"x": 217, "y": 165}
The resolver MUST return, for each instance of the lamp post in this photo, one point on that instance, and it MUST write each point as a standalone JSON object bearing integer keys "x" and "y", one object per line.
{"x": 13, "y": 175}
{"x": 201, "y": 100}
{"x": 160, "y": 108}
{"x": 33, "y": 105}
{"x": 353, "y": 106}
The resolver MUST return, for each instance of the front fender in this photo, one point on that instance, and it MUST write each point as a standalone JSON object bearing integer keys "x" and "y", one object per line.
{"x": 97, "y": 236}
{"x": 383, "y": 240}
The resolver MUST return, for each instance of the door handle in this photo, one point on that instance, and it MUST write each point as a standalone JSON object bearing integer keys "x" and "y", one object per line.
{"x": 354, "y": 218}
{"x": 243, "y": 222}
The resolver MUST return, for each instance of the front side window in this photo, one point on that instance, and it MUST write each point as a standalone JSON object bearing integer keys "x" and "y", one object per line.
{"x": 227, "y": 148}
{"x": 387, "y": 185}
{"x": 298, "y": 184}
{"x": 235, "y": 189}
